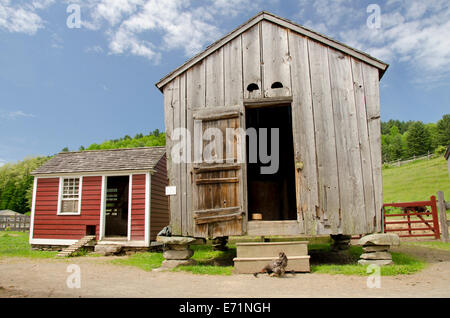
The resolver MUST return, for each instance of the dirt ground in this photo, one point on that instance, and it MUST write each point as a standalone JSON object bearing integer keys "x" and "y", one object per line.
{"x": 48, "y": 278}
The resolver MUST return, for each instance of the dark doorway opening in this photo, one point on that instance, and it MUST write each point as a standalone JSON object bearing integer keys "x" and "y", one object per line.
{"x": 272, "y": 195}
{"x": 116, "y": 224}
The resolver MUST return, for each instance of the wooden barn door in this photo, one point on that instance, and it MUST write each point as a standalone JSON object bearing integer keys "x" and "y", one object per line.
{"x": 218, "y": 208}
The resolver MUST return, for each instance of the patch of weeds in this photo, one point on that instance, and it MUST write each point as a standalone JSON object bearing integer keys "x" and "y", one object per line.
{"x": 80, "y": 252}
{"x": 15, "y": 244}
{"x": 145, "y": 261}
{"x": 324, "y": 261}
{"x": 210, "y": 262}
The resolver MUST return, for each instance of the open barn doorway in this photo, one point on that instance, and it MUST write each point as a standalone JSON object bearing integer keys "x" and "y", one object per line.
{"x": 271, "y": 195}
{"x": 117, "y": 206}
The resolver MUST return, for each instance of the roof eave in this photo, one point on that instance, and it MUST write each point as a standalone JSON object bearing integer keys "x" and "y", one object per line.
{"x": 90, "y": 173}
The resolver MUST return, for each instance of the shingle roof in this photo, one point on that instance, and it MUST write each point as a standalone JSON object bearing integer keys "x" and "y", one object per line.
{"x": 9, "y": 213}
{"x": 103, "y": 161}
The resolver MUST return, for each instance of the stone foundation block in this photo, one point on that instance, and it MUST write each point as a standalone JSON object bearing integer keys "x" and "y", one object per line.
{"x": 178, "y": 255}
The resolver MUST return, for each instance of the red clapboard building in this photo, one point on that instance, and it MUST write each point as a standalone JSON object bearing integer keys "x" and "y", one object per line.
{"x": 117, "y": 195}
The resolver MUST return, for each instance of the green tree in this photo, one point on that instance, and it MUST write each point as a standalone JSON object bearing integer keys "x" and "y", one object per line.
{"x": 418, "y": 139}
{"x": 443, "y": 131}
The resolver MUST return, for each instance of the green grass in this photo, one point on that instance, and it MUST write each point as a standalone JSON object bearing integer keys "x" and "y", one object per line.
{"x": 210, "y": 262}
{"x": 145, "y": 261}
{"x": 15, "y": 244}
{"x": 325, "y": 262}
{"x": 416, "y": 181}
{"x": 431, "y": 244}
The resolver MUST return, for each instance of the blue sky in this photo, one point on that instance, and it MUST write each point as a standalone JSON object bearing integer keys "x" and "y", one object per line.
{"x": 62, "y": 86}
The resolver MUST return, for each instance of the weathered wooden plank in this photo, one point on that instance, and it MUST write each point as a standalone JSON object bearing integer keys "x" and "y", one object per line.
{"x": 196, "y": 86}
{"x": 232, "y": 55}
{"x": 189, "y": 165}
{"x": 251, "y": 57}
{"x": 221, "y": 167}
{"x": 327, "y": 177}
{"x": 268, "y": 101}
{"x": 353, "y": 211}
{"x": 220, "y": 113}
{"x": 366, "y": 160}
{"x": 267, "y": 228}
{"x": 442, "y": 216}
{"x": 185, "y": 211}
{"x": 217, "y": 180}
{"x": 372, "y": 95}
{"x": 171, "y": 96}
{"x": 176, "y": 166}
{"x": 303, "y": 132}
{"x": 218, "y": 218}
{"x": 276, "y": 59}
{"x": 215, "y": 88}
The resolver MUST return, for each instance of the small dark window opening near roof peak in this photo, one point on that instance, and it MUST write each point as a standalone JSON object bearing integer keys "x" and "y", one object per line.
{"x": 277, "y": 85}
{"x": 252, "y": 87}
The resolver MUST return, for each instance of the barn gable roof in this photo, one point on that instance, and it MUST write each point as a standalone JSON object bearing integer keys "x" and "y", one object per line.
{"x": 264, "y": 15}
{"x": 102, "y": 161}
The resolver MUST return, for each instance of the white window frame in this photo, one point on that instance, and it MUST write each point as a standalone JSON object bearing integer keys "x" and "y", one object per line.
{"x": 60, "y": 195}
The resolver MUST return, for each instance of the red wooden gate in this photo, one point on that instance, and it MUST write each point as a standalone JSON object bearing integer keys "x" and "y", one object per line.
{"x": 416, "y": 213}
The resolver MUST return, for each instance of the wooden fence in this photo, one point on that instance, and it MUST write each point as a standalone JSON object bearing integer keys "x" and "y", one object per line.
{"x": 418, "y": 219}
{"x": 399, "y": 163}
{"x": 19, "y": 223}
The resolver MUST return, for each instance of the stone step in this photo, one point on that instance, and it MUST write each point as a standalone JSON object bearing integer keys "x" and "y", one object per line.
{"x": 256, "y": 264}
{"x": 271, "y": 249}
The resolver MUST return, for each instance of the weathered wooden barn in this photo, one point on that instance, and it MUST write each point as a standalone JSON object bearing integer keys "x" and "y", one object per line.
{"x": 116, "y": 195}
{"x": 322, "y": 95}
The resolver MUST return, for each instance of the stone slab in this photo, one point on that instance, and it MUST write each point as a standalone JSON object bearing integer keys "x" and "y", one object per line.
{"x": 178, "y": 255}
{"x": 179, "y": 240}
{"x": 375, "y": 262}
{"x": 376, "y": 248}
{"x": 377, "y": 256}
{"x": 175, "y": 240}
{"x": 380, "y": 239}
{"x": 108, "y": 250}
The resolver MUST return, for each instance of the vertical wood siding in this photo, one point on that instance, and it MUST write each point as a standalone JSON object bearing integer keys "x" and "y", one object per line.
{"x": 336, "y": 124}
{"x": 159, "y": 206}
{"x": 49, "y": 225}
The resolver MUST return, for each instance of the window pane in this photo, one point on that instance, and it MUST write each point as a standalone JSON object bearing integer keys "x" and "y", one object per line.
{"x": 70, "y": 195}
{"x": 69, "y": 206}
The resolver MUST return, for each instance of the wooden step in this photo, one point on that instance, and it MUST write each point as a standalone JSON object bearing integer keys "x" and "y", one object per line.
{"x": 253, "y": 257}
{"x": 272, "y": 249}
{"x": 299, "y": 264}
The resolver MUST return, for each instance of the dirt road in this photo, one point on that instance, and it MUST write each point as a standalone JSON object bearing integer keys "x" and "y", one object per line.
{"x": 48, "y": 278}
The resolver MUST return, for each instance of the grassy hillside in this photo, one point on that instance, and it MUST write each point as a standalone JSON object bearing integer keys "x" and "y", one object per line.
{"x": 416, "y": 181}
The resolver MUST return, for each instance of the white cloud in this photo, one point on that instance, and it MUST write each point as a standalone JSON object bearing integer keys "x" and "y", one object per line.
{"x": 94, "y": 49}
{"x": 412, "y": 31}
{"x": 22, "y": 17}
{"x": 179, "y": 24}
{"x": 15, "y": 114}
